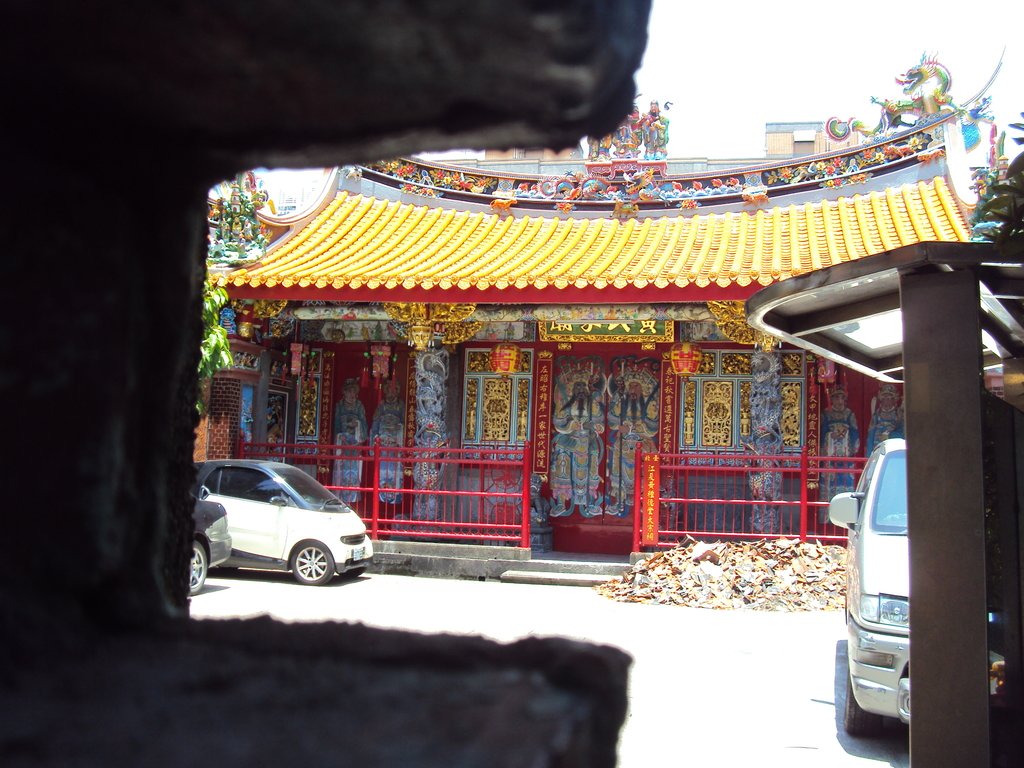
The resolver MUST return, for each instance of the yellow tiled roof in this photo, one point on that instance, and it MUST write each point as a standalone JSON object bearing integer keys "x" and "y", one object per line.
{"x": 364, "y": 242}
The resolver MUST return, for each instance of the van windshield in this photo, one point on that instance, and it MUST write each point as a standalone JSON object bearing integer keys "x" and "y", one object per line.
{"x": 309, "y": 489}
{"x": 890, "y": 513}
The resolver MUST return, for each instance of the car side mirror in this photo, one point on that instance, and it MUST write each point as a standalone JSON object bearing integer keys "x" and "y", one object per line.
{"x": 844, "y": 509}
{"x": 204, "y": 492}
{"x": 279, "y": 501}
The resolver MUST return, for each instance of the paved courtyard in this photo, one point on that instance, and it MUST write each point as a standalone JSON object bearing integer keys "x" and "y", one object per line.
{"x": 725, "y": 687}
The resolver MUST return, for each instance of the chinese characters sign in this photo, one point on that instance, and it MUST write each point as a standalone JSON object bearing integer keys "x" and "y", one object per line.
{"x": 543, "y": 413}
{"x": 626, "y": 330}
{"x": 650, "y": 498}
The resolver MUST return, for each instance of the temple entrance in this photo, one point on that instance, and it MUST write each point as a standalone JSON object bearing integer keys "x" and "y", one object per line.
{"x": 603, "y": 405}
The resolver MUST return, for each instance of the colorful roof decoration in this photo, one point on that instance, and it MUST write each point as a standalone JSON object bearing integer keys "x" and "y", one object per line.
{"x": 606, "y": 183}
{"x": 385, "y": 247}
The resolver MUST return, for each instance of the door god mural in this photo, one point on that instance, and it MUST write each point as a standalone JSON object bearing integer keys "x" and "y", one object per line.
{"x": 600, "y": 412}
{"x": 633, "y": 408}
{"x": 577, "y": 449}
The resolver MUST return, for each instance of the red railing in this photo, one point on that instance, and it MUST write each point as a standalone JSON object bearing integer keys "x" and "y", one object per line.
{"x": 474, "y": 495}
{"x": 481, "y": 494}
{"x": 738, "y": 496}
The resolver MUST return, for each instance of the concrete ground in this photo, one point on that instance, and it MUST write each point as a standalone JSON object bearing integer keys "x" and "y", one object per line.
{"x": 722, "y": 686}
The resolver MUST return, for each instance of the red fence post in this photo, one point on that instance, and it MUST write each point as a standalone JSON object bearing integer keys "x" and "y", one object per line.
{"x": 804, "y": 474}
{"x": 375, "y": 498}
{"x": 524, "y": 518}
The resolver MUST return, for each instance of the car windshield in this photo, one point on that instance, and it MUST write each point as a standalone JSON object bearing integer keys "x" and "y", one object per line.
{"x": 890, "y": 514}
{"x": 309, "y": 489}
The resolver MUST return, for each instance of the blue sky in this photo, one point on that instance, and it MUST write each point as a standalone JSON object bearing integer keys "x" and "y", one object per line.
{"x": 787, "y": 61}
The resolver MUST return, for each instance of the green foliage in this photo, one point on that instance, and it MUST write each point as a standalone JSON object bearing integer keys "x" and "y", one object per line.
{"x": 215, "y": 350}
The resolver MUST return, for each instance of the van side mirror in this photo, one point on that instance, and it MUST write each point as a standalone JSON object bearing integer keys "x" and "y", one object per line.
{"x": 279, "y": 501}
{"x": 844, "y": 509}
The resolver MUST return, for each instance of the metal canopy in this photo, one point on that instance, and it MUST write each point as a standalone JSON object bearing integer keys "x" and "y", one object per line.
{"x": 824, "y": 310}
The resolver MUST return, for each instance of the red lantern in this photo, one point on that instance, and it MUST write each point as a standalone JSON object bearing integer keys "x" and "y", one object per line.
{"x": 505, "y": 358}
{"x": 296, "y": 358}
{"x": 380, "y": 357}
{"x": 685, "y": 358}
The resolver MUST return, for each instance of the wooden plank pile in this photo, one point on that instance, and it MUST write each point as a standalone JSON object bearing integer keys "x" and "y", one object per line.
{"x": 768, "y": 575}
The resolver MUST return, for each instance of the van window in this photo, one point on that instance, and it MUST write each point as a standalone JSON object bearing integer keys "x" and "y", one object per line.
{"x": 246, "y": 483}
{"x": 890, "y": 512}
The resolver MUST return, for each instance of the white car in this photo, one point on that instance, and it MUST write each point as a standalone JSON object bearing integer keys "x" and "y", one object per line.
{"x": 282, "y": 519}
{"x": 877, "y": 591}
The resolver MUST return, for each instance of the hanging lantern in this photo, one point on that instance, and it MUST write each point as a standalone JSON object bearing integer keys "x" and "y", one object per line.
{"x": 685, "y": 358}
{"x": 296, "y": 358}
{"x": 505, "y": 358}
{"x": 380, "y": 357}
{"x": 826, "y": 371}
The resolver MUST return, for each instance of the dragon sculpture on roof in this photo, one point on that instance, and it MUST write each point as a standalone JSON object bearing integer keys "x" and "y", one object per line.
{"x": 926, "y": 86}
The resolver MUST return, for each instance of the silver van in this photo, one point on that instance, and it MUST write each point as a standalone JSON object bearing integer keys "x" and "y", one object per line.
{"x": 877, "y": 591}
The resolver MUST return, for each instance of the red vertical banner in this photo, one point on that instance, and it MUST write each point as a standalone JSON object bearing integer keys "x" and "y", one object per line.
{"x": 326, "y": 393}
{"x": 669, "y": 405}
{"x": 812, "y": 441}
{"x": 651, "y": 500}
{"x": 542, "y": 412}
{"x": 326, "y": 417}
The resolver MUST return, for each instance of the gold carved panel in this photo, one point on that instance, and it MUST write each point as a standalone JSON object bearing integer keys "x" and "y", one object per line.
{"x": 707, "y": 364}
{"x": 469, "y": 419}
{"x": 497, "y": 409}
{"x": 745, "y": 408}
{"x": 791, "y": 413}
{"x": 735, "y": 364}
{"x": 478, "y": 361}
{"x": 522, "y": 409}
{"x": 308, "y": 398}
{"x": 717, "y": 416}
{"x": 792, "y": 364}
{"x": 689, "y": 412}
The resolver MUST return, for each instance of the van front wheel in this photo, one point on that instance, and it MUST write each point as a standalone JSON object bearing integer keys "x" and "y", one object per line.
{"x": 312, "y": 563}
{"x": 857, "y": 721}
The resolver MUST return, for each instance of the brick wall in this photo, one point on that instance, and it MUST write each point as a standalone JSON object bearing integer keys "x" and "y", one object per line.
{"x": 223, "y": 418}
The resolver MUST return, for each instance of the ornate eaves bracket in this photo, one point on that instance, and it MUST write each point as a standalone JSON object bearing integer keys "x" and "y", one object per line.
{"x": 420, "y": 324}
{"x": 731, "y": 317}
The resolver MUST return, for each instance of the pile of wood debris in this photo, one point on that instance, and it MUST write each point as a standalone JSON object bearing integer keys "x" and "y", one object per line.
{"x": 771, "y": 575}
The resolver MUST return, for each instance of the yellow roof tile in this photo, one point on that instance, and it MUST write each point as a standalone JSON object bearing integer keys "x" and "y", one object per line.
{"x": 359, "y": 241}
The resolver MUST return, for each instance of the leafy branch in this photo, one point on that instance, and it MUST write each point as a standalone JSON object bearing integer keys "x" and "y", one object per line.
{"x": 215, "y": 350}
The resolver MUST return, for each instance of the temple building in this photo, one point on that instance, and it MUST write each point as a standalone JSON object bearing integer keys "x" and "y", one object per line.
{"x": 587, "y": 311}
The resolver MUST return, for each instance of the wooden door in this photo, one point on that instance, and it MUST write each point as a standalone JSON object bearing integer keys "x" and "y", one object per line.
{"x": 603, "y": 405}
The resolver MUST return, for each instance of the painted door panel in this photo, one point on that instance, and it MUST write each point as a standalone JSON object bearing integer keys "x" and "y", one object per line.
{"x": 603, "y": 406}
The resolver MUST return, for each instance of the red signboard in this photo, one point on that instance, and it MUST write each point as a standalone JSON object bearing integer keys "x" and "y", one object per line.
{"x": 669, "y": 403}
{"x": 650, "y": 496}
{"x": 542, "y": 417}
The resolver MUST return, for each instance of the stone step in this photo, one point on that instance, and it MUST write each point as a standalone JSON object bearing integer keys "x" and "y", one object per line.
{"x": 553, "y": 578}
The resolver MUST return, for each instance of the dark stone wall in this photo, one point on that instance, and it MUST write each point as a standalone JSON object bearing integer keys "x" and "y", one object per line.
{"x": 118, "y": 120}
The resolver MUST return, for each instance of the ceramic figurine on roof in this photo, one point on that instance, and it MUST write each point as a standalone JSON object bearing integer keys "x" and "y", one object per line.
{"x": 654, "y": 129}
{"x": 926, "y": 85}
{"x": 236, "y": 234}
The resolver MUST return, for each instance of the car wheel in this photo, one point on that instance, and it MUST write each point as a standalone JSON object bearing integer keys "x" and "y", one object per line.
{"x": 857, "y": 721}
{"x": 312, "y": 563}
{"x": 200, "y": 567}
